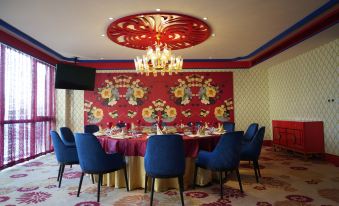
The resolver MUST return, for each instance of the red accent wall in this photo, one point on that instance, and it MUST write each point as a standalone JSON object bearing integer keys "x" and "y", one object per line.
{"x": 193, "y": 96}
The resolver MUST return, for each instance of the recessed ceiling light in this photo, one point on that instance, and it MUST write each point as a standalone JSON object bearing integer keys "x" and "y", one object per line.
{"x": 213, "y": 34}
{"x": 110, "y": 18}
{"x": 157, "y": 9}
{"x": 102, "y": 34}
{"x": 205, "y": 18}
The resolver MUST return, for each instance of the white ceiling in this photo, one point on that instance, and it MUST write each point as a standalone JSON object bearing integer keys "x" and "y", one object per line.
{"x": 74, "y": 27}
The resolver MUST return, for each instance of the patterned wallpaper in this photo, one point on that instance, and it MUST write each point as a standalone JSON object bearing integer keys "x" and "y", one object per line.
{"x": 299, "y": 89}
{"x": 251, "y": 99}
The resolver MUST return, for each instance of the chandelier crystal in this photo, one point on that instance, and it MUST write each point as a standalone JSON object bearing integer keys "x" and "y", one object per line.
{"x": 157, "y": 60}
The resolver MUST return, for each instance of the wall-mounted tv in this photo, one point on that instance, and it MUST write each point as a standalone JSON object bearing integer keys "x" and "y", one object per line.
{"x": 72, "y": 76}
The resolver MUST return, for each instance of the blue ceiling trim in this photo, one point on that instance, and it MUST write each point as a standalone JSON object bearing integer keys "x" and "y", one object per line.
{"x": 294, "y": 27}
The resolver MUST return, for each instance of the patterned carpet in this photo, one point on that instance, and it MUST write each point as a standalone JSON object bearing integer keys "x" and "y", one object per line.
{"x": 287, "y": 181}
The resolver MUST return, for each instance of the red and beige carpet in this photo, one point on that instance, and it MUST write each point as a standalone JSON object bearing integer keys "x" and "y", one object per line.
{"x": 286, "y": 180}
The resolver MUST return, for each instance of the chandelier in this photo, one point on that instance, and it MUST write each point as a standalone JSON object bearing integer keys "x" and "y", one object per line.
{"x": 158, "y": 60}
{"x": 158, "y": 34}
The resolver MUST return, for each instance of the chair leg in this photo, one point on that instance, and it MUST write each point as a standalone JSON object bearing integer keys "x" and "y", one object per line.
{"x": 146, "y": 180}
{"x": 152, "y": 191}
{"x": 221, "y": 185}
{"x": 71, "y": 166}
{"x": 126, "y": 179}
{"x": 226, "y": 176}
{"x": 61, "y": 174}
{"x": 80, "y": 183}
{"x": 181, "y": 189}
{"x": 255, "y": 172}
{"x": 99, "y": 184}
{"x": 92, "y": 176}
{"x": 239, "y": 180}
{"x": 258, "y": 167}
{"x": 195, "y": 176}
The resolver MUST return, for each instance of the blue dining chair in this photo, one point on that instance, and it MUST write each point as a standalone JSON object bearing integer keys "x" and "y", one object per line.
{"x": 94, "y": 160}
{"x": 229, "y": 126}
{"x": 65, "y": 155}
{"x": 251, "y": 151}
{"x": 91, "y": 128}
{"x": 165, "y": 158}
{"x": 250, "y": 132}
{"x": 67, "y": 136}
{"x": 225, "y": 157}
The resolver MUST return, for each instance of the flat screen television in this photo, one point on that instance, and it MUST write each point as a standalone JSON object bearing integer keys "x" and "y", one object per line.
{"x": 72, "y": 76}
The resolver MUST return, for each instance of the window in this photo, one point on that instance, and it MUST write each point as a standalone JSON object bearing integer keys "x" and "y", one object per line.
{"x": 27, "y": 110}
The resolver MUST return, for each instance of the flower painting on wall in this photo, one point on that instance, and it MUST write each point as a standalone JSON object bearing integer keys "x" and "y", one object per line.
{"x": 108, "y": 93}
{"x": 181, "y": 94}
{"x": 136, "y": 94}
{"x": 159, "y": 109}
{"x": 222, "y": 112}
{"x": 94, "y": 114}
{"x": 208, "y": 93}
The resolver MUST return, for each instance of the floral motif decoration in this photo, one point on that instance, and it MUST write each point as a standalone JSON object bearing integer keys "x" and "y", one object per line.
{"x": 220, "y": 202}
{"x": 33, "y": 197}
{"x": 187, "y": 113}
{"x": 4, "y": 198}
{"x": 110, "y": 91}
{"x": 222, "y": 112}
{"x": 159, "y": 109}
{"x": 33, "y": 164}
{"x": 131, "y": 114}
{"x": 197, "y": 194}
{"x": 204, "y": 113}
{"x": 94, "y": 114}
{"x": 18, "y": 175}
{"x": 182, "y": 93}
{"x": 114, "y": 114}
{"x": 136, "y": 200}
{"x": 89, "y": 203}
{"x": 27, "y": 189}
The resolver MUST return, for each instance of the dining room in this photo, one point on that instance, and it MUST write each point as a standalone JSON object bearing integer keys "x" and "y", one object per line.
{"x": 169, "y": 103}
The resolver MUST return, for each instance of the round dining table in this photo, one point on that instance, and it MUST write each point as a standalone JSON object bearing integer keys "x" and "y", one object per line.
{"x": 134, "y": 151}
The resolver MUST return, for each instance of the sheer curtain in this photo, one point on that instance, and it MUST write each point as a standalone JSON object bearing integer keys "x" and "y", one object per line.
{"x": 27, "y": 110}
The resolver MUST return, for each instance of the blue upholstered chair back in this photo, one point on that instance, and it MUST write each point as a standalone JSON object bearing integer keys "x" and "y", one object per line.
{"x": 67, "y": 135}
{"x": 226, "y": 154}
{"x": 91, "y": 128}
{"x": 251, "y": 150}
{"x": 92, "y": 157}
{"x": 63, "y": 153}
{"x": 165, "y": 156}
{"x": 250, "y": 132}
{"x": 229, "y": 126}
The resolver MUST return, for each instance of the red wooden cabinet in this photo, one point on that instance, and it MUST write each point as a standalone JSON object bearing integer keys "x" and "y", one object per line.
{"x": 303, "y": 137}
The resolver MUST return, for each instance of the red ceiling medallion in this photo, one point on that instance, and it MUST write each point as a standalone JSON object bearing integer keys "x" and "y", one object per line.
{"x": 139, "y": 31}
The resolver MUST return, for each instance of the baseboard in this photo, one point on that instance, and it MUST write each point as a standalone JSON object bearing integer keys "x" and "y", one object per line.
{"x": 267, "y": 142}
{"x": 334, "y": 159}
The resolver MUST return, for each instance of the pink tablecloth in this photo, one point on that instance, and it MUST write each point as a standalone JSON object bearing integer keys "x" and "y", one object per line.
{"x": 137, "y": 146}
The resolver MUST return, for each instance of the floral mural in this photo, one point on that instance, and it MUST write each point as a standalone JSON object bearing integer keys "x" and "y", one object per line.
{"x": 222, "y": 112}
{"x": 182, "y": 93}
{"x": 94, "y": 114}
{"x": 159, "y": 109}
{"x": 184, "y": 97}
